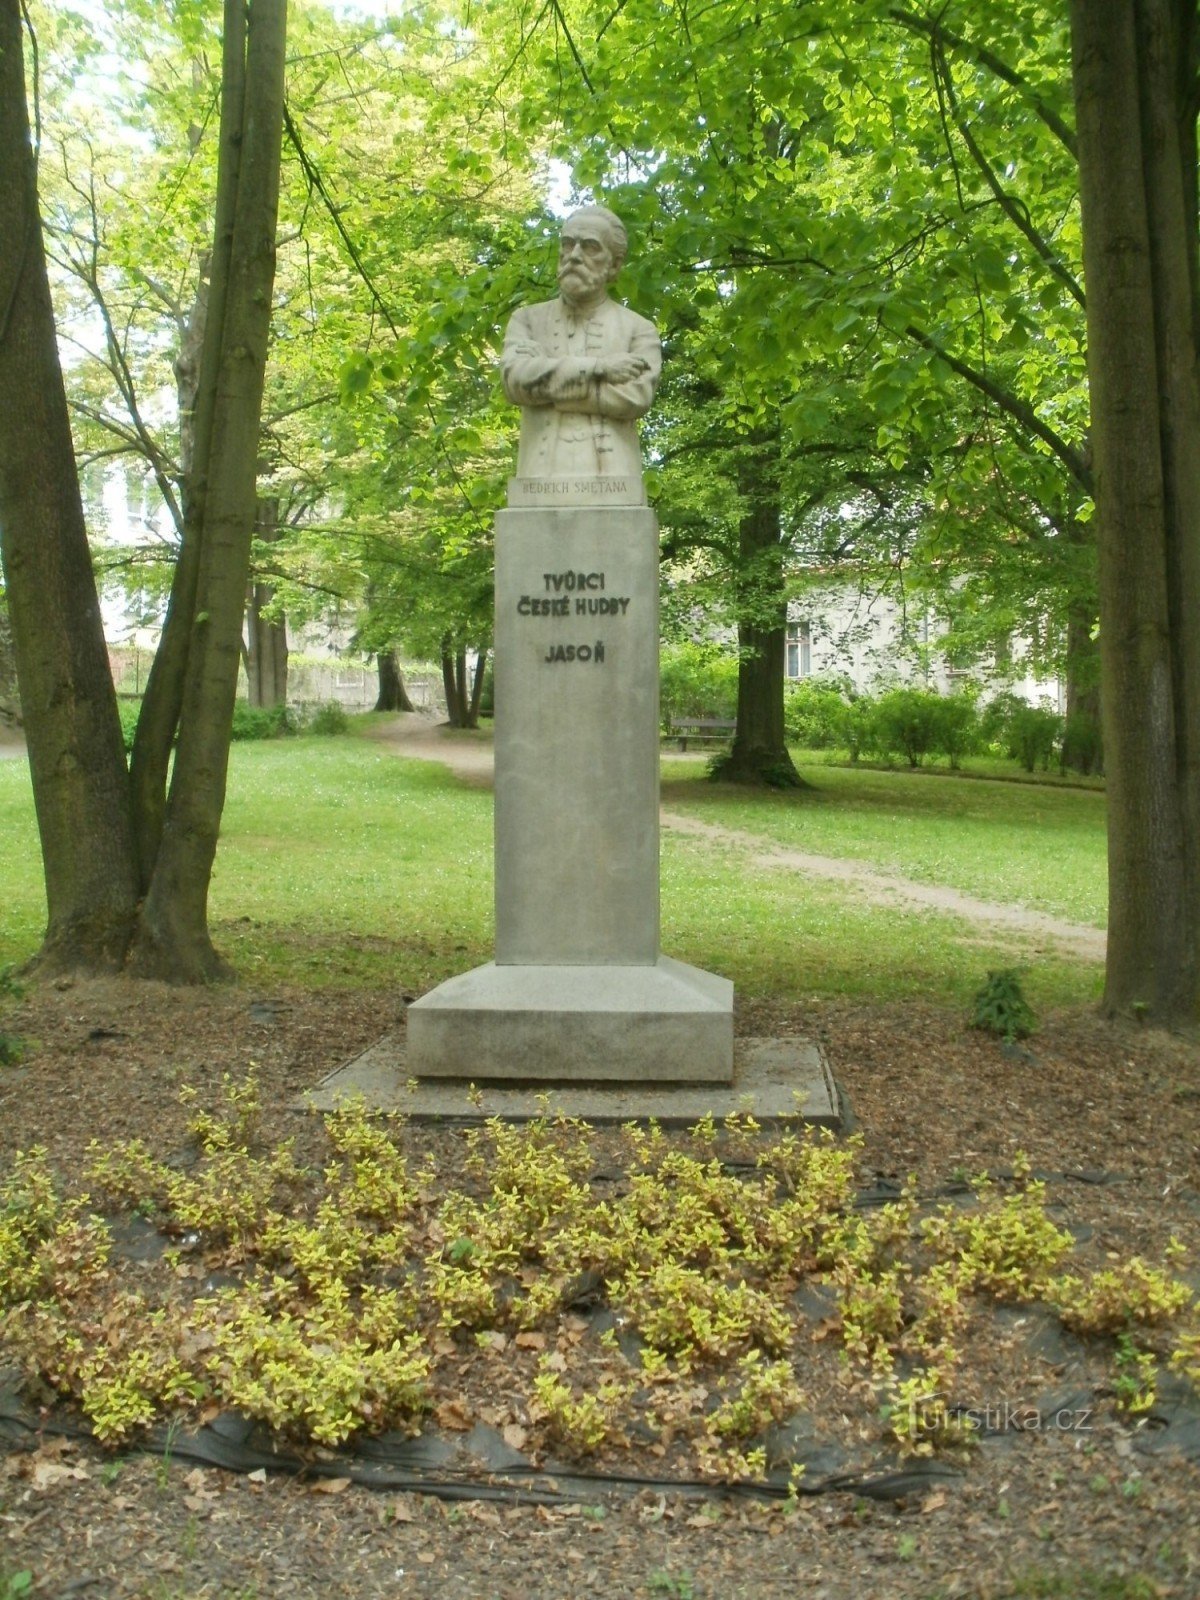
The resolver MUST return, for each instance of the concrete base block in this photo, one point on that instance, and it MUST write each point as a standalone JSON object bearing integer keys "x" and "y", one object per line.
{"x": 666, "y": 1023}
{"x": 774, "y": 1080}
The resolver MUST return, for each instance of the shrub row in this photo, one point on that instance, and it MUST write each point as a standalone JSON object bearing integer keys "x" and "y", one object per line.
{"x": 910, "y": 724}
{"x": 257, "y": 722}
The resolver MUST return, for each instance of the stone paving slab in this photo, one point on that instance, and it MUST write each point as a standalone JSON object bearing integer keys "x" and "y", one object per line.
{"x": 774, "y": 1079}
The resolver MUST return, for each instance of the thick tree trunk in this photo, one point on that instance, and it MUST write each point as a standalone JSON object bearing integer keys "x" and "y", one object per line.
{"x": 1135, "y": 129}
{"x": 393, "y": 696}
{"x": 173, "y": 939}
{"x": 76, "y": 755}
{"x": 266, "y": 637}
{"x": 760, "y": 754}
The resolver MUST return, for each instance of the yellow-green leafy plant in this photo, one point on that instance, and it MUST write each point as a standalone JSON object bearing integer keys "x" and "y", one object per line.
{"x": 682, "y": 1311}
{"x": 312, "y": 1369}
{"x": 1135, "y": 1377}
{"x": 581, "y": 1420}
{"x": 1007, "y": 1246}
{"x": 1114, "y": 1299}
{"x": 917, "y": 1416}
{"x": 757, "y": 1393}
{"x": 235, "y": 1123}
{"x": 1185, "y": 1357}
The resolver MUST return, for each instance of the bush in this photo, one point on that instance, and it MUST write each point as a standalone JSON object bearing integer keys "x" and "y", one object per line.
{"x": 905, "y": 723}
{"x": 956, "y": 727}
{"x": 697, "y": 680}
{"x": 259, "y": 722}
{"x": 858, "y": 727}
{"x": 129, "y": 712}
{"x": 1082, "y": 747}
{"x": 1032, "y": 736}
{"x": 814, "y": 713}
{"x": 328, "y": 720}
{"x": 1029, "y": 734}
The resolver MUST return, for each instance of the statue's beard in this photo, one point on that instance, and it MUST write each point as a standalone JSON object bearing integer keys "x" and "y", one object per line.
{"x": 576, "y": 283}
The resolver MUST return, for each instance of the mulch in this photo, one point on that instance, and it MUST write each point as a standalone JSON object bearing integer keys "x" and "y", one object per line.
{"x": 1110, "y": 1115}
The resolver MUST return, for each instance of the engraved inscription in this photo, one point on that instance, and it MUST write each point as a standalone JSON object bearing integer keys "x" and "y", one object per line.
{"x": 570, "y": 581}
{"x": 602, "y": 488}
{"x": 579, "y": 594}
{"x": 576, "y": 652}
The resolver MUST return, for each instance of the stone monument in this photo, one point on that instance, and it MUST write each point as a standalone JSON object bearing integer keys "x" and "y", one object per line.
{"x": 579, "y": 990}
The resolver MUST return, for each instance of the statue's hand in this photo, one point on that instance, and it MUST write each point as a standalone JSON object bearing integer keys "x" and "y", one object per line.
{"x": 620, "y": 369}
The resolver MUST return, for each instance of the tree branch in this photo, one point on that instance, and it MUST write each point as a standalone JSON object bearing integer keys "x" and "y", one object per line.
{"x": 934, "y": 30}
{"x": 1014, "y": 208}
{"x": 1019, "y": 410}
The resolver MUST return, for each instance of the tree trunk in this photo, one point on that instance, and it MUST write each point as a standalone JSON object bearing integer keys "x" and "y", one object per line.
{"x": 477, "y": 689}
{"x": 266, "y": 637}
{"x": 76, "y": 754}
{"x": 393, "y": 696}
{"x": 173, "y": 938}
{"x": 1132, "y": 62}
{"x": 454, "y": 684}
{"x": 196, "y": 372}
{"x": 760, "y": 754}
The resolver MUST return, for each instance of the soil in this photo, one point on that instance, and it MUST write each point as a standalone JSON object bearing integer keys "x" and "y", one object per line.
{"x": 1110, "y": 1116}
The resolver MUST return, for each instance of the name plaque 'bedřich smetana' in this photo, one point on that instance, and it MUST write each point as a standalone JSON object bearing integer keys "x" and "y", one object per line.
{"x": 579, "y": 989}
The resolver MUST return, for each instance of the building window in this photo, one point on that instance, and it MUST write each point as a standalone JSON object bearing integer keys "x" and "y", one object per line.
{"x": 799, "y": 650}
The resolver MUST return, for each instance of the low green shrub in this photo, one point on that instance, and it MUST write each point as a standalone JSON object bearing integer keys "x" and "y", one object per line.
{"x": 1082, "y": 747}
{"x": 1029, "y": 734}
{"x": 328, "y": 720}
{"x": 858, "y": 727}
{"x": 905, "y": 723}
{"x": 260, "y": 722}
{"x": 1033, "y": 736}
{"x": 697, "y": 680}
{"x": 129, "y": 711}
{"x": 1001, "y": 1008}
{"x": 956, "y": 730}
{"x": 814, "y": 711}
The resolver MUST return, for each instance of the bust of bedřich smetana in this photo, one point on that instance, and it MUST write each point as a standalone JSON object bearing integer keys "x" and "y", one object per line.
{"x": 583, "y": 369}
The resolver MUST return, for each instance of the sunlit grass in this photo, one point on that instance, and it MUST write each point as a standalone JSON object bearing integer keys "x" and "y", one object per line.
{"x": 1031, "y": 844}
{"x": 342, "y": 864}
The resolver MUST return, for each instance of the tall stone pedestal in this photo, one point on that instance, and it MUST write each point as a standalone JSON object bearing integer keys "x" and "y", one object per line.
{"x": 579, "y": 990}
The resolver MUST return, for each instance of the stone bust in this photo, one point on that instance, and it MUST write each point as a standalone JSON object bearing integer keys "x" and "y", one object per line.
{"x": 583, "y": 368}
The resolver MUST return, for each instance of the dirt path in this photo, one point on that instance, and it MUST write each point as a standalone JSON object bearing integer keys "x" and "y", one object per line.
{"x": 469, "y": 755}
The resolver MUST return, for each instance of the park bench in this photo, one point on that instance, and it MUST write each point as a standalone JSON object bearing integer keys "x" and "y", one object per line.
{"x": 702, "y": 730}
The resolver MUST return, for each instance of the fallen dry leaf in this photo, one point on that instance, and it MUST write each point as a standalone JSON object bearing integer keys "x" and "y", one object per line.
{"x": 514, "y": 1436}
{"x": 453, "y": 1414}
{"x": 46, "y": 1474}
{"x": 329, "y": 1486}
{"x": 530, "y": 1341}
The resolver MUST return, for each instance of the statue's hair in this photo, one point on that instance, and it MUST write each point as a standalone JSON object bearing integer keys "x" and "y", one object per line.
{"x": 614, "y": 228}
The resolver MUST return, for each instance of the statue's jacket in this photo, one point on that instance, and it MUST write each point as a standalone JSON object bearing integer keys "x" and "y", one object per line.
{"x": 574, "y": 424}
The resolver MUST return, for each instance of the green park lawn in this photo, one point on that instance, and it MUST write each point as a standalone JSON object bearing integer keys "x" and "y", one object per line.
{"x": 342, "y": 864}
